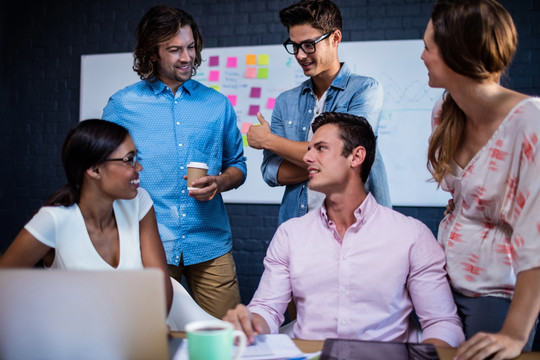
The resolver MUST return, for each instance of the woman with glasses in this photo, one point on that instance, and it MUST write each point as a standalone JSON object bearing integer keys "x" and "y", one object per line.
{"x": 99, "y": 220}
{"x": 484, "y": 151}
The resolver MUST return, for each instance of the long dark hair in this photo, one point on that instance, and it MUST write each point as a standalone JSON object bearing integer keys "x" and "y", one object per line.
{"x": 478, "y": 39}
{"x": 87, "y": 144}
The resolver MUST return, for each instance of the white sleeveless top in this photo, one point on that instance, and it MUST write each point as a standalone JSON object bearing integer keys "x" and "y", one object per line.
{"x": 63, "y": 229}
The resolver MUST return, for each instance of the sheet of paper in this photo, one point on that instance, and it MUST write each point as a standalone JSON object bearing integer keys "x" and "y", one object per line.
{"x": 267, "y": 347}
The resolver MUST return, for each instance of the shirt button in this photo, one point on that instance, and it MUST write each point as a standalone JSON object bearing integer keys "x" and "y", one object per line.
{"x": 178, "y": 123}
{"x": 309, "y": 111}
{"x": 178, "y": 257}
{"x": 343, "y": 322}
{"x": 183, "y": 236}
{"x": 343, "y": 291}
{"x": 290, "y": 122}
{"x": 180, "y": 145}
{"x": 183, "y": 191}
{"x": 302, "y": 206}
{"x": 181, "y": 168}
{"x": 304, "y": 128}
{"x": 184, "y": 215}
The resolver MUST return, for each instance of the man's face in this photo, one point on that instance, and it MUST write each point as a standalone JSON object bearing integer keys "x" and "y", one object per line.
{"x": 175, "y": 58}
{"x": 324, "y": 56}
{"x": 329, "y": 171}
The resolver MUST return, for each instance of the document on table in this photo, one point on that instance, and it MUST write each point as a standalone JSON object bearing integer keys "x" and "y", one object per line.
{"x": 267, "y": 347}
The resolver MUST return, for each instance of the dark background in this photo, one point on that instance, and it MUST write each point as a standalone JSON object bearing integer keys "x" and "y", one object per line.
{"x": 41, "y": 47}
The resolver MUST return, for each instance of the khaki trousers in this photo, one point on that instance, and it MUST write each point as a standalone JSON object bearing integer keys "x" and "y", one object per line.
{"x": 212, "y": 284}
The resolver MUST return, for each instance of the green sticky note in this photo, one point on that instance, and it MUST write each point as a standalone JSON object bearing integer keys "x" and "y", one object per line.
{"x": 262, "y": 73}
{"x": 215, "y": 87}
{"x": 244, "y": 140}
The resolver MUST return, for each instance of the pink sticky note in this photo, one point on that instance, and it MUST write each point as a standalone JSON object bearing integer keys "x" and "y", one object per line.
{"x": 213, "y": 75}
{"x": 270, "y": 103}
{"x": 213, "y": 61}
{"x": 232, "y": 62}
{"x": 255, "y": 92}
{"x": 245, "y": 127}
{"x": 232, "y": 99}
{"x": 253, "y": 109}
{"x": 251, "y": 73}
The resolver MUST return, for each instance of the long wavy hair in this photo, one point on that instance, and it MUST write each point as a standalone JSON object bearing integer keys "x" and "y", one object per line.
{"x": 478, "y": 39}
{"x": 159, "y": 25}
{"x": 87, "y": 144}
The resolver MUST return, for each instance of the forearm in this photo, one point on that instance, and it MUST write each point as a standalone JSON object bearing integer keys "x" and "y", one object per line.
{"x": 229, "y": 179}
{"x": 290, "y": 174}
{"x": 290, "y": 150}
{"x": 525, "y": 305}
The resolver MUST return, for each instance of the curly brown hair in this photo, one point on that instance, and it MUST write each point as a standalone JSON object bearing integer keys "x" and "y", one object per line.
{"x": 159, "y": 25}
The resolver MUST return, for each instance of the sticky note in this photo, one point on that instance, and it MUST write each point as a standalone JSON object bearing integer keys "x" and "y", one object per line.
{"x": 262, "y": 73}
{"x": 231, "y": 62}
{"x": 213, "y": 75}
{"x": 270, "y": 103}
{"x": 251, "y": 59}
{"x": 245, "y": 127}
{"x": 251, "y": 73}
{"x": 232, "y": 99}
{"x": 253, "y": 109}
{"x": 263, "y": 59}
{"x": 255, "y": 92}
{"x": 215, "y": 87}
{"x": 213, "y": 61}
{"x": 244, "y": 140}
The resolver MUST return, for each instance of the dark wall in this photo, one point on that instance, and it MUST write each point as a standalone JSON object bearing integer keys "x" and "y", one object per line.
{"x": 41, "y": 47}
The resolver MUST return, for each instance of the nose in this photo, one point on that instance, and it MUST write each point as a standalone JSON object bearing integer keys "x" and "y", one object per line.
{"x": 184, "y": 55}
{"x": 300, "y": 54}
{"x": 138, "y": 166}
{"x": 308, "y": 158}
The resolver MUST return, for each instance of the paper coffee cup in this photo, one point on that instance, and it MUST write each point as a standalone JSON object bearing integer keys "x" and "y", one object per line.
{"x": 195, "y": 170}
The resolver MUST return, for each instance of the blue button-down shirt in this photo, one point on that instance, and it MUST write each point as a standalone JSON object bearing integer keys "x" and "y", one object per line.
{"x": 197, "y": 124}
{"x": 291, "y": 119}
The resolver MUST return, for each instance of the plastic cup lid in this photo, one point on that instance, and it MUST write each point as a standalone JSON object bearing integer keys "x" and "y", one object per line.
{"x": 199, "y": 165}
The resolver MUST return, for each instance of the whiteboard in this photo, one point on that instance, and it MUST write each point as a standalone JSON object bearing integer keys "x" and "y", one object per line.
{"x": 252, "y": 77}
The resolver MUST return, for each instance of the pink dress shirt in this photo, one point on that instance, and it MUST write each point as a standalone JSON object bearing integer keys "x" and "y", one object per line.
{"x": 363, "y": 286}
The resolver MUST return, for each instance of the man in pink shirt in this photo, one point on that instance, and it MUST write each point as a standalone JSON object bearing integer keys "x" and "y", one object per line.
{"x": 354, "y": 268}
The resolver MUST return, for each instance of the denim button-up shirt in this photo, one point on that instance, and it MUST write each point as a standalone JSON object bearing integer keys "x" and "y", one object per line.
{"x": 170, "y": 130}
{"x": 291, "y": 119}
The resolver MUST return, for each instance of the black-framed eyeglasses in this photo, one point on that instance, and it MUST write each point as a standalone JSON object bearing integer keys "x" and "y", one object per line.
{"x": 308, "y": 46}
{"x": 128, "y": 160}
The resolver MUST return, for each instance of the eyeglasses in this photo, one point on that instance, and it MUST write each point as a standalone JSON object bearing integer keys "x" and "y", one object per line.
{"x": 308, "y": 47}
{"x": 128, "y": 160}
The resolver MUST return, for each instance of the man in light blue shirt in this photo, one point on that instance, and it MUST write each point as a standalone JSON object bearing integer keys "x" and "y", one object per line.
{"x": 314, "y": 35}
{"x": 175, "y": 120}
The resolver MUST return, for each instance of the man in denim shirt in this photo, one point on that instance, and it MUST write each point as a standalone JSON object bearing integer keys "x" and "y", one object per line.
{"x": 314, "y": 35}
{"x": 175, "y": 120}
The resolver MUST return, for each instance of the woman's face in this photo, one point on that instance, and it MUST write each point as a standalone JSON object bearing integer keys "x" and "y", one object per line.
{"x": 438, "y": 71}
{"x": 119, "y": 178}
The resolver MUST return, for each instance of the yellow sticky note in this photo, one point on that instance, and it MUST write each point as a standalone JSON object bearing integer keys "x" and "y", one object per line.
{"x": 215, "y": 87}
{"x": 262, "y": 73}
{"x": 244, "y": 140}
{"x": 251, "y": 59}
{"x": 263, "y": 59}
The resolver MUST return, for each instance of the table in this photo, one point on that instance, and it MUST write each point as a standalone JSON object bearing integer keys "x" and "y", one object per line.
{"x": 310, "y": 346}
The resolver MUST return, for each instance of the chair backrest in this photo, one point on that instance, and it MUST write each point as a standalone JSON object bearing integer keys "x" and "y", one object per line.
{"x": 184, "y": 309}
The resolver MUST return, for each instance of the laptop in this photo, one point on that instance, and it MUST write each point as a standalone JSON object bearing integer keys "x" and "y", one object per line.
{"x": 340, "y": 349}
{"x": 52, "y": 314}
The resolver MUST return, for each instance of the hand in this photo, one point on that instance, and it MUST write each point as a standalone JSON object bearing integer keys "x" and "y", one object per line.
{"x": 208, "y": 191}
{"x": 257, "y": 134}
{"x": 242, "y": 319}
{"x": 482, "y": 345}
{"x": 450, "y": 207}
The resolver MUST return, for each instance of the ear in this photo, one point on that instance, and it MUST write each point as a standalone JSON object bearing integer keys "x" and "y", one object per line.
{"x": 336, "y": 37}
{"x": 358, "y": 155}
{"x": 93, "y": 172}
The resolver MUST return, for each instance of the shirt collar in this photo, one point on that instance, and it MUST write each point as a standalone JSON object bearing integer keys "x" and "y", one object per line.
{"x": 362, "y": 213}
{"x": 158, "y": 86}
{"x": 340, "y": 82}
